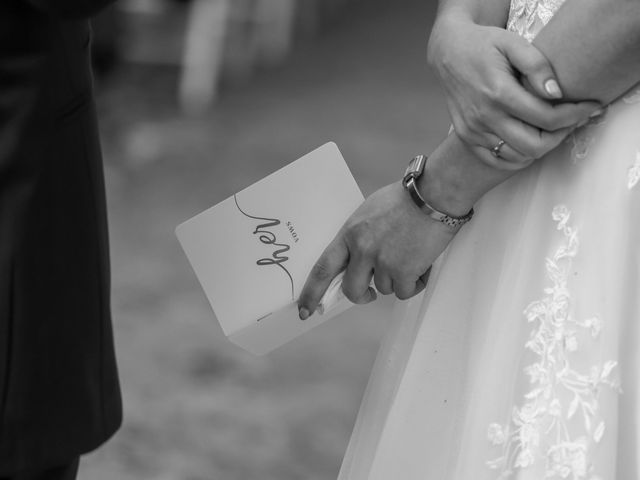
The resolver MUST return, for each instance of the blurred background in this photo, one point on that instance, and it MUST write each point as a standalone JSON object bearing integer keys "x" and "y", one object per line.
{"x": 197, "y": 100}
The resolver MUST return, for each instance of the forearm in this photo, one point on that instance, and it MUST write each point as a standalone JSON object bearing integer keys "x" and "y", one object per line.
{"x": 594, "y": 47}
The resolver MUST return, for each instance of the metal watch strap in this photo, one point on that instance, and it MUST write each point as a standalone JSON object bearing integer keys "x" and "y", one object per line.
{"x": 413, "y": 172}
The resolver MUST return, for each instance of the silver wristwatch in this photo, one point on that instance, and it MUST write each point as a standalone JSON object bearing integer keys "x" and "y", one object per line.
{"x": 411, "y": 174}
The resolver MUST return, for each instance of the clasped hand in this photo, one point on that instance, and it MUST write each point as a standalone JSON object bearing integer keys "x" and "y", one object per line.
{"x": 388, "y": 238}
{"x": 498, "y": 86}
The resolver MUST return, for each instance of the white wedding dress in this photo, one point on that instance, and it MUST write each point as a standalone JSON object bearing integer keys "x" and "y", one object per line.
{"x": 521, "y": 361}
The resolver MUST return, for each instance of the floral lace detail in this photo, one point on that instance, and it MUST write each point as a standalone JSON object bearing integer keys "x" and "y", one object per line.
{"x": 539, "y": 431}
{"x": 583, "y": 138}
{"x": 527, "y": 17}
{"x": 633, "y": 96}
{"x": 634, "y": 172}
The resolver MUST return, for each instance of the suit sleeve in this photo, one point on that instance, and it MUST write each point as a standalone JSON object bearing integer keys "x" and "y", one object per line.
{"x": 71, "y": 8}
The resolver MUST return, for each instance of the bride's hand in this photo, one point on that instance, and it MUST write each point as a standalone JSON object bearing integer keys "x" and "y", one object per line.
{"x": 500, "y": 87}
{"x": 387, "y": 238}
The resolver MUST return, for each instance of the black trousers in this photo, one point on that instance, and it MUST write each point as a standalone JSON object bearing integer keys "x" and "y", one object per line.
{"x": 63, "y": 472}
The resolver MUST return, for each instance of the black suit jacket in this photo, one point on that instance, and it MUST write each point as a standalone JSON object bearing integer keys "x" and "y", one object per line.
{"x": 59, "y": 393}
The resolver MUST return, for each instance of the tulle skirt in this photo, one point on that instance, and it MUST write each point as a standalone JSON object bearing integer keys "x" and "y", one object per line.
{"x": 520, "y": 360}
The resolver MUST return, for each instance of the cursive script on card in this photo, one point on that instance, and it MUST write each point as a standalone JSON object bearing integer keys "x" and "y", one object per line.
{"x": 264, "y": 232}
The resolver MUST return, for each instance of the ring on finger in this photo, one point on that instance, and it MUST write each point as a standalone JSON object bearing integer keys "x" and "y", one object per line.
{"x": 495, "y": 150}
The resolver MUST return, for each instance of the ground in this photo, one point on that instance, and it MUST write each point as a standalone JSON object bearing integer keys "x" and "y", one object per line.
{"x": 196, "y": 406}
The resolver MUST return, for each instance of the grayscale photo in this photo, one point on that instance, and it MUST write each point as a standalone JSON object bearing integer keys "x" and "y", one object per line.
{"x": 319, "y": 240}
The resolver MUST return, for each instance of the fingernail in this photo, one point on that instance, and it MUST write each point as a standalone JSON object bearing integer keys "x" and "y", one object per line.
{"x": 552, "y": 88}
{"x": 596, "y": 113}
{"x": 303, "y": 313}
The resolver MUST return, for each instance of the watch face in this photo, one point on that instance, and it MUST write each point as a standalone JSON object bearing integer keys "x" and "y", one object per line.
{"x": 418, "y": 164}
{"x": 414, "y": 169}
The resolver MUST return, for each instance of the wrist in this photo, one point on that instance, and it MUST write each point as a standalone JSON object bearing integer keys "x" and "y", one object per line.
{"x": 413, "y": 173}
{"x": 455, "y": 179}
{"x": 455, "y": 12}
{"x": 447, "y": 23}
{"x": 445, "y": 189}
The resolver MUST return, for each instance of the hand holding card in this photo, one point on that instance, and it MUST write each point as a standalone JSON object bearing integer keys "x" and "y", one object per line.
{"x": 253, "y": 251}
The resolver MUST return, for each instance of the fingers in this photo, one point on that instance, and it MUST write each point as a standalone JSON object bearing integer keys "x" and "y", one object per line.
{"x": 535, "y": 108}
{"x": 530, "y": 142}
{"x": 407, "y": 288}
{"x": 356, "y": 281}
{"x": 511, "y": 159}
{"x": 383, "y": 282}
{"x": 404, "y": 289}
{"x": 533, "y": 65}
{"x": 529, "y": 126}
{"x": 482, "y": 144}
{"x": 541, "y": 114}
{"x": 523, "y": 142}
{"x": 506, "y": 160}
{"x": 331, "y": 262}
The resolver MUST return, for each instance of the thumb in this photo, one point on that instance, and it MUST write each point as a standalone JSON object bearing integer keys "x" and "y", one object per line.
{"x": 534, "y": 67}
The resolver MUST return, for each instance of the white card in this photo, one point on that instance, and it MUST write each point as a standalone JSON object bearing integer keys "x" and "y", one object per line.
{"x": 253, "y": 251}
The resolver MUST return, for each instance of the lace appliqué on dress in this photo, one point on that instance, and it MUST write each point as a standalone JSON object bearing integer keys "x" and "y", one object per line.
{"x": 527, "y": 17}
{"x": 633, "y": 96}
{"x": 559, "y": 423}
{"x": 633, "y": 176}
{"x": 583, "y": 138}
